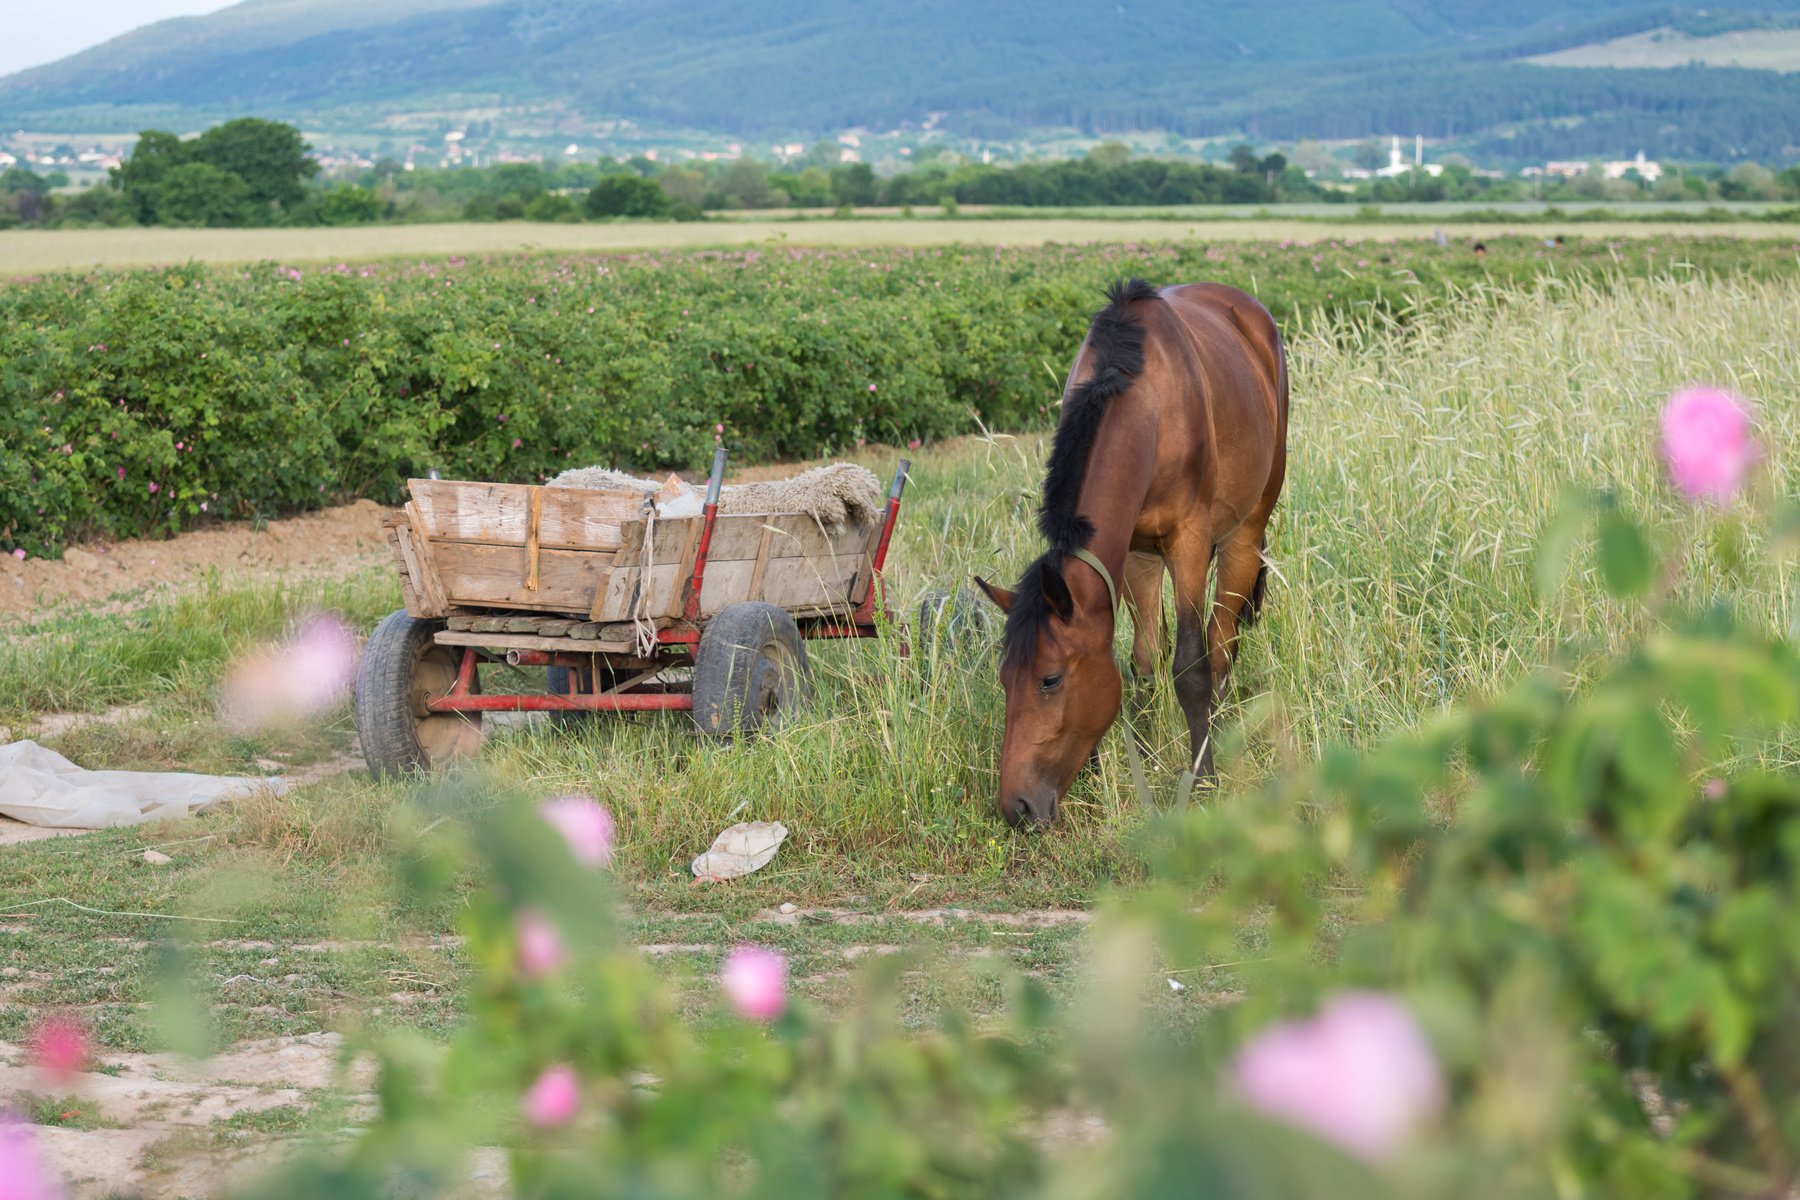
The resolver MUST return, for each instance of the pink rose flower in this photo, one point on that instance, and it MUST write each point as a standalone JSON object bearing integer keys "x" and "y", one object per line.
{"x": 755, "y": 981}
{"x": 554, "y": 1099}
{"x": 541, "y": 949}
{"x": 310, "y": 674}
{"x": 1707, "y": 442}
{"x": 20, "y": 555}
{"x": 59, "y": 1048}
{"x": 1360, "y": 1074}
{"x": 585, "y": 825}
{"x": 23, "y": 1174}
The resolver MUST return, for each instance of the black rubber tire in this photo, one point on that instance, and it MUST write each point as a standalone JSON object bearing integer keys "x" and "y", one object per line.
{"x": 402, "y": 669}
{"x": 750, "y": 671}
{"x": 949, "y": 624}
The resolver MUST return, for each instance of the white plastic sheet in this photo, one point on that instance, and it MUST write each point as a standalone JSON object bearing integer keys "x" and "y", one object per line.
{"x": 41, "y": 787}
{"x": 740, "y": 850}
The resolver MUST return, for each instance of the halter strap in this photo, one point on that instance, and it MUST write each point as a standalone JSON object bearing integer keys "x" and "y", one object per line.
{"x": 1091, "y": 559}
{"x": 1186, "y": 787}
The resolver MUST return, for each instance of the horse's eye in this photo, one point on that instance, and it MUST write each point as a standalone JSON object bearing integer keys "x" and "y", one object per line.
{"x": 1051, "y": 682}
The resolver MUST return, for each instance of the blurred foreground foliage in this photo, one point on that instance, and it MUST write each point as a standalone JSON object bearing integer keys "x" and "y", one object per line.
{"x": 1584, "y": 891}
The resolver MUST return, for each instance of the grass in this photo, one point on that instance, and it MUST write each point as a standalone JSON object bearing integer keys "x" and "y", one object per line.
{"x": 24, "y": 252}
{"x": 1425, "y": 463}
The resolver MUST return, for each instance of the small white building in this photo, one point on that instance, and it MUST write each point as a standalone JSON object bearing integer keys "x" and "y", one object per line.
{"x": 1397, "y": 164}
{"x": 1647, "y": 170}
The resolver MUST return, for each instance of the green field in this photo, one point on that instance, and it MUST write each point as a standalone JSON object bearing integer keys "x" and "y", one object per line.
{"x": 1428, "y": 458}
{"x": 1426, "y": 461}
{"x": 1749, "y": 49}
{"x": 25, "y": 252}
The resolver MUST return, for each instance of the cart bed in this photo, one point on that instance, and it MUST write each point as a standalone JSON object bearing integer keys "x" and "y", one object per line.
{"x": 577, "y": 557}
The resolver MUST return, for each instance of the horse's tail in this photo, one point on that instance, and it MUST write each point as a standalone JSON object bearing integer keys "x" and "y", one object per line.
{"x": 1115, "y": 342}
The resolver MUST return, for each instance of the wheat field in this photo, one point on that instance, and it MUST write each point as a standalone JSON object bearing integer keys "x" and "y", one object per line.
{"x": 26, "y": 252}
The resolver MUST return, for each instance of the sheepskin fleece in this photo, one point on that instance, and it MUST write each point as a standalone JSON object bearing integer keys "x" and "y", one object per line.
{"x": 839, "y": 496}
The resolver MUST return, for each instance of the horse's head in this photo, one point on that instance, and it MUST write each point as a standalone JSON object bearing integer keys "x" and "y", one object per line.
{"x": 1062, "y": 690}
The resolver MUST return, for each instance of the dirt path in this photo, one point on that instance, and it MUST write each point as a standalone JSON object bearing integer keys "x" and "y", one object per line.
{"x": 331, "y": 543}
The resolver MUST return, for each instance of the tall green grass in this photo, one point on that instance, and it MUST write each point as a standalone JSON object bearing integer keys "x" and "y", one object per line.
{"x": 1425, "y": 465}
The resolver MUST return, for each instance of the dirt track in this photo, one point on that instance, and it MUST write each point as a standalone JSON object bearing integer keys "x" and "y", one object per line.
{"x": 335, "y": 542}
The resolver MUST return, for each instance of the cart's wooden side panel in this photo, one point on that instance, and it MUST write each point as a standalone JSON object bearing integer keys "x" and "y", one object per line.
{"x": 499, "y": 514}
{"x": 472, "y": 545}
{"x": 499, "y": 576}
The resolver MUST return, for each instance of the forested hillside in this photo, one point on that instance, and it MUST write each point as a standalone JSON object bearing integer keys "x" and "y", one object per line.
{"x": 1278, "y": 70}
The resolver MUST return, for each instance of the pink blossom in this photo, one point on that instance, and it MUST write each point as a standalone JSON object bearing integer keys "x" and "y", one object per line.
{"x": 517, "y": 442}
{"x": 155, "y": 488}
{"x": 541, "y": 949}
{"x": 871, "y": 387}
{"x": 59, "y": 1048}
{"x": 1708, "y": 444}
{"x": 718, "y": 428}
{"x": 914, "y": 444}
{"x": 121, "y": 472}
{"x": 1714, "y": 789}
{"x": 20, "y": 555}
{"x": 308, "y": 675}
{"x": 23, "y": 1174}
{"x": 1360, "y": 1074}
{"x": 585, "y": 825}
{"x": 755, "y": 981}
{"x": 554, "y": 1099}
{"x": 203, "y": 506}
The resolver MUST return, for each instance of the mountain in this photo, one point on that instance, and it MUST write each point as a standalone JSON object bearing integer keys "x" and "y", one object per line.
{"x": 1280, "y": 69}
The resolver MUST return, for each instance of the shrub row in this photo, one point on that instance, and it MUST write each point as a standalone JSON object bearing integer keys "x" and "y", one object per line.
{"x": 145, "y": 401}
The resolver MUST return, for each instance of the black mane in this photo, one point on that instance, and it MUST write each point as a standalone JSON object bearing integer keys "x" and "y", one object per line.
{"x": 1116, "y": 348}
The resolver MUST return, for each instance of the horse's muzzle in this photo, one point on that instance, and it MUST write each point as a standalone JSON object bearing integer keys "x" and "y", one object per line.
{"x": 1030, "y": 812}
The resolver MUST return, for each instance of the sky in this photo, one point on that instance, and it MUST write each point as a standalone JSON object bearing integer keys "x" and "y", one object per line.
{"x": 41, "y": 31}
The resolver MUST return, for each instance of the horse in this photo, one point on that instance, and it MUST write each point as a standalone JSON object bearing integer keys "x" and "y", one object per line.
{"x": 1171, "y": 450}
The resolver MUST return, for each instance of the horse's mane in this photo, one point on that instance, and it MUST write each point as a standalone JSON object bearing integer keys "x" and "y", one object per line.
{"x": 1116, "y": 349}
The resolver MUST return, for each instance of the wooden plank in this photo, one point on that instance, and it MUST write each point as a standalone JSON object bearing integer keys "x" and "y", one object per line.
{"x": 493, "y": 577}
{"x": 586, "y": 631}
{"x": 416, "y": 552}
{"x": 762, "y": 563}
{"x": 462, "y": 623}
{"x": 555, "y": 627}
{"x": 522, "y": 641}
{"x": 690, "y": 554}
{"x": 741, "y": 538}
{"x": 409, "y": 595}
{"x": 533, "y": 528}
{"x": 618, "y": 573}
{"x": 499, "y": 514}
{"x": 521, "y": 625}
{"x": 792, "y": 583}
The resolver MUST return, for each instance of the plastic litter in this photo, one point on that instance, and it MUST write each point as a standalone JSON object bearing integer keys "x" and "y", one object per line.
{"x": 41, "y": 787}
{"x": 740, "y": 850}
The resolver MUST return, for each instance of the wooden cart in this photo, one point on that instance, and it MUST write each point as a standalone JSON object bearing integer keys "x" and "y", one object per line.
{"x": 629, "y": 611}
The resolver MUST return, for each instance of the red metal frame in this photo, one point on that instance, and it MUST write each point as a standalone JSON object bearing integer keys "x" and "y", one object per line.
{"x": 859, "y": 623}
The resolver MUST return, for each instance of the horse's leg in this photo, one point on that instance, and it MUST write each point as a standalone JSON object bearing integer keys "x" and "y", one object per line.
{"x": 1143, "y": 592}
{"x": 1189, "y": 557}
{"x": 1243, "y": 576}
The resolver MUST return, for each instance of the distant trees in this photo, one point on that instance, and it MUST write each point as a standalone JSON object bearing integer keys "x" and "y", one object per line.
{"x": 244, "y": 172}
{"x": 627, "y": 195}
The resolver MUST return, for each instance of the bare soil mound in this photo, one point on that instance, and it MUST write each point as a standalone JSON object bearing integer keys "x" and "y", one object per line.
{"x": 336, "y": 541}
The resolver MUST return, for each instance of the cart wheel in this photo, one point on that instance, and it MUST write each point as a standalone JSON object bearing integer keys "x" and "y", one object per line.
{"x": 750, "y": 671}
{"x": 402, "y": 670}
{"x": 949, "y": 623}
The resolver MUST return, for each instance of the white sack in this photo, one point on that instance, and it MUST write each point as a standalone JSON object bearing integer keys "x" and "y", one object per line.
{"x": 740, "y": 850}
{"x": 41, "y": 787}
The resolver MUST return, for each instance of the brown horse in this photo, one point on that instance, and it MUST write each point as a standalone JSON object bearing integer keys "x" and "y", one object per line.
{"x": 1178, "y": 399}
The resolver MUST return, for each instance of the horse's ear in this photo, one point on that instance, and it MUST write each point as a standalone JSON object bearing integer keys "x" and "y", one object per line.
{"x": 1056, "y": 593}
{"x": 1003, "y": 599}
